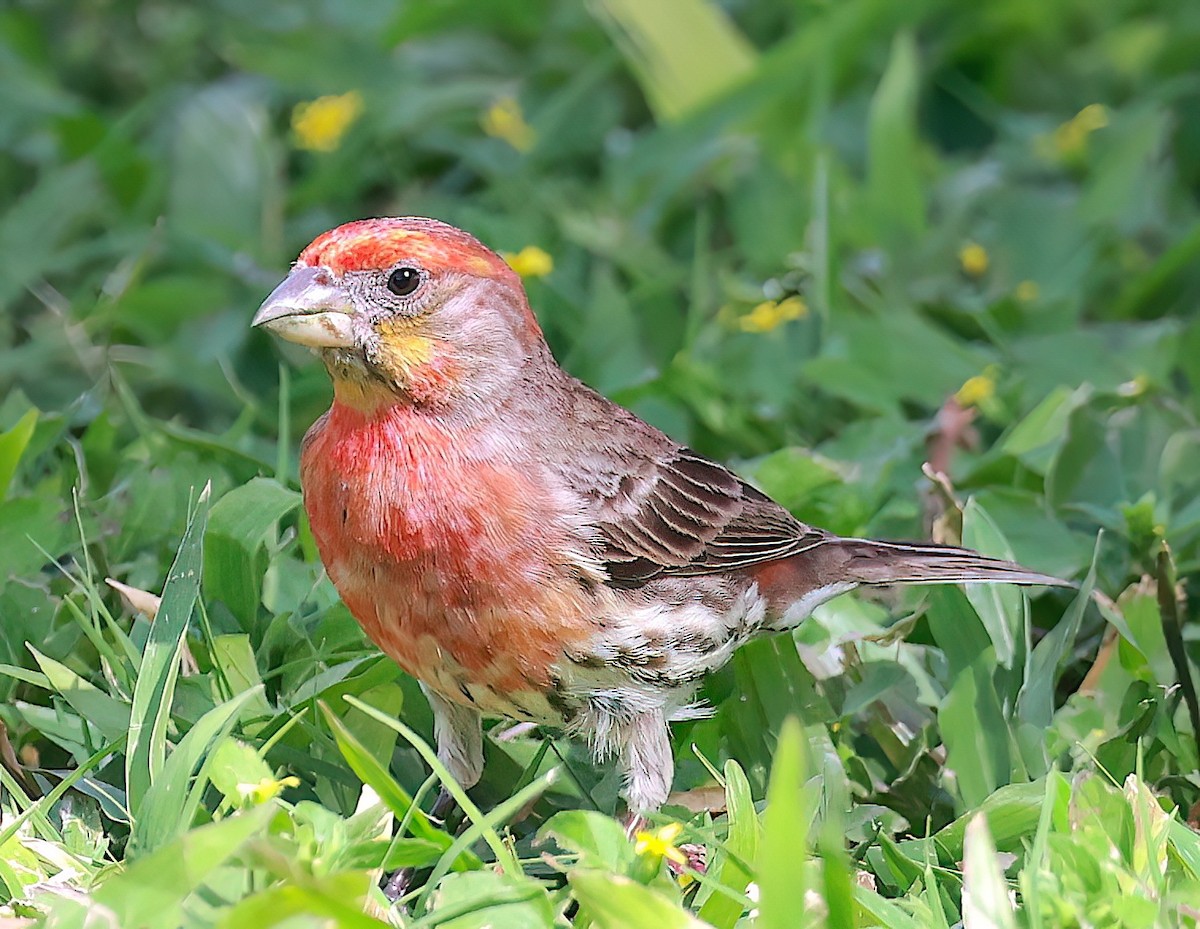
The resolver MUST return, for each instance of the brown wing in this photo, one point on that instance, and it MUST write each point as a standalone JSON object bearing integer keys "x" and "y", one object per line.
{"x": 692, "y": 516}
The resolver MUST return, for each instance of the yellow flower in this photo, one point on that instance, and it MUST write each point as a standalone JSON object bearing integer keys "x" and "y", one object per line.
{"x": 973, "y": 258}
{"x": 320, "y": 124}
{"x": 1027, "y": 292}
{"x": 661, "y": 843}
{"x": 504, "y": 120}
{"x": 266, "y": 789}
{"x": 530, "y": 261}
{"x": 770, "y": 314}
{"x": 1071, "y": 138}
{"x": 977, "y": 389}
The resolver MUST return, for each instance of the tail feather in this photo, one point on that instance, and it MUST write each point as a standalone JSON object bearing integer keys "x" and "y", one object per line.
{"x": 871, "y": 562}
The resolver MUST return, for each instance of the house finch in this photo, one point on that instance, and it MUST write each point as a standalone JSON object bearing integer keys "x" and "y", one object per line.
{"x": 515, "y": 541}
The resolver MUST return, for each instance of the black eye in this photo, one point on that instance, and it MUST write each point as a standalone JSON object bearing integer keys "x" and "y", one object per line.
{"x": 403, "y": 281}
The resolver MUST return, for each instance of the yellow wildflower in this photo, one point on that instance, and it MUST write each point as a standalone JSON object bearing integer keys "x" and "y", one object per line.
{"x": 1071, "y": 138}
{"x": 770, "y": 314}
{"x": 1027, "y": 292}
{"x": 530, "y": 261}
{"x": 978, "y": 389}
{"x": 661, "y": 843}
{"x": 973, "y": 258}
{"x": 266, "y": 789}
{"x": 320, "y": 124}
{"x": 504, "y": 120}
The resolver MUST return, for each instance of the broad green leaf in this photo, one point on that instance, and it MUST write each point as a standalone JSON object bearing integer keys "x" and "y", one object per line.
{"x": 327, "y": 900}
{"x": 485, "y": 900}
{"x": 1038, "y": 436}
{"x": 894, "y": 182}
{"x": 110, "y": 716}
{"x": 1036, "y": 701}
{"x": 234, "y": 656}
{"x": 223, "y": 171}
{"x": 599, "y": 840}
{"x": 242, "y": 521}
{"x": 975, "y": 731}
{"x": 1001, "y": 607}
{"x": 151, "y": 891}
{"x": 12, "y": 447}
{"x": 612, "y": 901}
{"x": 684, "y": 52}
{"x": 248, "y": 514}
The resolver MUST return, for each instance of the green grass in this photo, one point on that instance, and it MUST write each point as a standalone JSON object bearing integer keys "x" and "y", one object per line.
{"x": 787, "y": 234}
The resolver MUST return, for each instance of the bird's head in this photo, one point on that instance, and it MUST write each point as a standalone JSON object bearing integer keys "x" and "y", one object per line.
{"x": 406, "y": 310}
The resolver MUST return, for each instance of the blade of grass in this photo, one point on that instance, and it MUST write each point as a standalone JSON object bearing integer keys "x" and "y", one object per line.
{"x": 504, "y": 857}
{"x": 159, "y": 668}
{"x": 374, "y": 775}
{"x": 782, "y": 864}
{"x": 500, "y": 814}
{"x": 1168, "y": 605}
{"x": 48, "y": 801}
{"x": 169, "y": 806}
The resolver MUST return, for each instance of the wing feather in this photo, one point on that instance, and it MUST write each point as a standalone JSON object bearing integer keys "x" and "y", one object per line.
{"x": 692, "y": 516}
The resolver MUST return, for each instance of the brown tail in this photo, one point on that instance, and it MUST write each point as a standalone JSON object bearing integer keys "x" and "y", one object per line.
{"x": 871, "y": 562}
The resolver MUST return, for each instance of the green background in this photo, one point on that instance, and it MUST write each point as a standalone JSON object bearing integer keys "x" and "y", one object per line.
{"x": 996, "y": 201}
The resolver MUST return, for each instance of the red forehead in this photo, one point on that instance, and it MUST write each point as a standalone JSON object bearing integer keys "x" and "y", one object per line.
{"x": 375, "y": 244}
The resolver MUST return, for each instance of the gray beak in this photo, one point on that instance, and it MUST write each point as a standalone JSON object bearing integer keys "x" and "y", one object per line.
{"x": 309, "y": 310}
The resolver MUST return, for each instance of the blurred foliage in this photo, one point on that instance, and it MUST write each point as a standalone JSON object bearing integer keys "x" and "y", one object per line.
{"x": 788, "y": 234}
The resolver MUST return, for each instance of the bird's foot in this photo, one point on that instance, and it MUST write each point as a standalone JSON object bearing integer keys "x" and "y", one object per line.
{"x": 399, "y": 882}
{"x": 697, "y": 859}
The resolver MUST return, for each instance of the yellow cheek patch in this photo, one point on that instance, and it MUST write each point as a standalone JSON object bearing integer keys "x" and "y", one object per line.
{"x": 402, "y": 351}
{"x": 404, "y": 348}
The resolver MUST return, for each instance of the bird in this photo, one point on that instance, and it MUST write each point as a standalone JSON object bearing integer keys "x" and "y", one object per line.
{"x": 521, "y": 545}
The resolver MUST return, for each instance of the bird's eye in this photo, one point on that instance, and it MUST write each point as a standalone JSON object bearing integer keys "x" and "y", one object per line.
{"x": 403, "y": 281}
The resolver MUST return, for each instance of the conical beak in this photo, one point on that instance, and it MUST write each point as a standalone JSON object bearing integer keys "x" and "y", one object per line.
{"x": 309, "y": 310}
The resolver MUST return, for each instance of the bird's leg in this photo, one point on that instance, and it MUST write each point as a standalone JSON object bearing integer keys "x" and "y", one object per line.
{"x": 649, "y": 768}
{"x": 458, "y": 731}
{"x": 646, "y": 761}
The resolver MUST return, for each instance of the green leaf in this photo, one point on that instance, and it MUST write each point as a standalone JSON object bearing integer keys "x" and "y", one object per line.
{"x": 486, "y": 900}
{"x": 975, "y": 731}
{"x": 151, "y": 891}
{"x": 613, "y": 901}
{"x": 333, "y": 899}
{"x": 242, "y": 521}
{"x": 599, "y": 840}
{"x": 684, "y": 52}
{"x": 1036, "y": 701}
{"x": 247, "y": 515}
{"x": 893, "y": 148}
{"x": 504, "y": 855}
{"x": 739, "y": 853}
{"x": 782, "y": 867}
{"x": 376, "y": 776}
{"x": 110, "y": 716}
{"x": 170, "y": 804}
{"x": 1002, "y": 608}
{"x": 159, "y": 669}
{"x": 986, "y": 904}
{"x": 12, "y": 447}
{"x": 1037, "y": 437}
